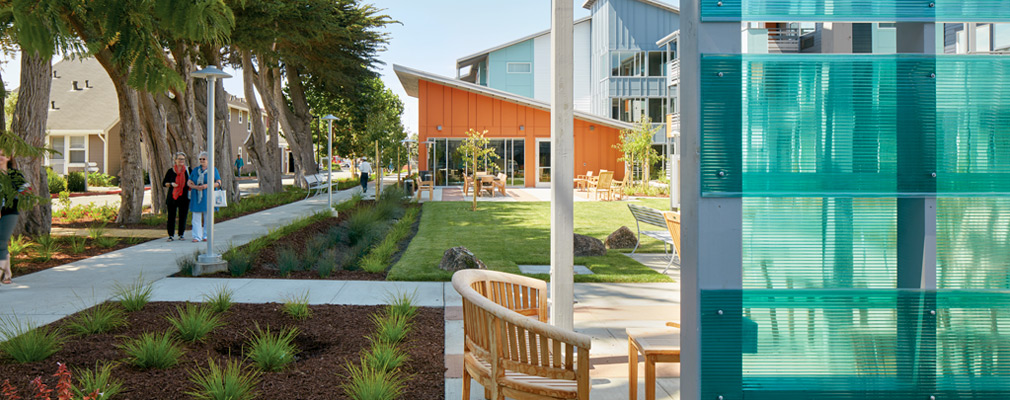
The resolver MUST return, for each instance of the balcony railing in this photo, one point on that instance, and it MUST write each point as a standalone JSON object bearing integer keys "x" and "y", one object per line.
{"x": 673, "y": 72}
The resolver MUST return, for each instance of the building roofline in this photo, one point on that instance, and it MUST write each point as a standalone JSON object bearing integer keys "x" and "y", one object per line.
{"x": 479, "y": 54}
{"x": 589, "y": 4}
{"x": 409, "y": 78}
{"x": 669, "y": 38}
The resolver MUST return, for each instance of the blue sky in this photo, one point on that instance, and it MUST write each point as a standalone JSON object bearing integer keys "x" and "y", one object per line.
{"x": 434, "y": 33}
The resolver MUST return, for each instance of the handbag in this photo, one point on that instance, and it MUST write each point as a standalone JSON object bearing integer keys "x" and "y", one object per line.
{"x": 220, "y": 198}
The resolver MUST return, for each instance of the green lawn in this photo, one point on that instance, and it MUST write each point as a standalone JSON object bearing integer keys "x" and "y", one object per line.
{"x": 505, "y": 235}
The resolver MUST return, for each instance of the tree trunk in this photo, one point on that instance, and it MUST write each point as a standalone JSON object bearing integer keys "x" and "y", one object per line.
{"x": 29, "y": 122}
{"x": 269, "y": 86}
{"x": 131, "y": 177}
{"x": 263, "y": 151}
{"x": 300, "y": 118}
{"x": 159, "y": 153}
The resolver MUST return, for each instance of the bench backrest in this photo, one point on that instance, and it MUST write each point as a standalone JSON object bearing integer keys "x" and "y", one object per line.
{"x": 498, "y": 329}
{"x": 606, "y": 178}
{"x": 647, "y": 215}
{"x": 314, "y": 179}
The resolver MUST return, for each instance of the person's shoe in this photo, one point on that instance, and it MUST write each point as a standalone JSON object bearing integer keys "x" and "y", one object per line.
{"x": 204, "y": 240}
{"x": 196, "y": 240}
{"x": 170, "y": 239}
{"x": 181, "y": 238}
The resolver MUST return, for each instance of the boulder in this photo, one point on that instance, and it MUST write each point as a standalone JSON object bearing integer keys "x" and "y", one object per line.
{"x": 589, "y": 246}
{"x": 458, "y": 258}
{"x": 622, "y": 238}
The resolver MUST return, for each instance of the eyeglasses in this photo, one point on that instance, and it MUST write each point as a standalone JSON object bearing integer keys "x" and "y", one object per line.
{"x": 202, "y": 159}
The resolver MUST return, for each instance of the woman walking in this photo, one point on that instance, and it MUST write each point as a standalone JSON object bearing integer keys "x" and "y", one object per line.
{"x": 177, "y": 182}
{"x": 9, "y": 215}
{"x": 202, "y": 193}
{"x": 365, "y": 169}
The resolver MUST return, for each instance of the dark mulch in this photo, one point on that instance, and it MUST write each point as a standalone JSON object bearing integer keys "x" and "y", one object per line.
{"x": 265, "y": 262}
{"x": 332, "y": 337}
{"x": 28, "y": 262}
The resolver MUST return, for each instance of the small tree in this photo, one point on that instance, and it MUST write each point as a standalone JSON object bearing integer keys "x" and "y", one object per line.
{"x": 636, "y": 144}
{"x": 474, "y": 151}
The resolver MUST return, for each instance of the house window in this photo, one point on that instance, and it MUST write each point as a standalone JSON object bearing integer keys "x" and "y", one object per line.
{"x": 56, "y": 160}
{"x": 78, "y": 149}
{"x": 520, "y": 67}
{"x": 249, "y": 126}
{"x": 229, "y": 115}
{"x": 240, "y": 117}
{"x": 627, "y": 63}
{"x": 628, "y": 110}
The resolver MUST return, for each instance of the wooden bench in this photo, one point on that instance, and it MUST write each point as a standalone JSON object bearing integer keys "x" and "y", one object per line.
{"x": 508, "y": 346}
{"x": 425, "y": 185}
{"x": 654, "y": 217}
{"x": 315, "y": 182}
{"x": 656, "y": 345}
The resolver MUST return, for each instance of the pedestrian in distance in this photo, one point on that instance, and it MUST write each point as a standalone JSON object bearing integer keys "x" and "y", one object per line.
{"x": 202, "y": 192}
{"x": 9, "y": 213}
{"x": 177, "y": 200}
{"x": 365, "y": 169}
{"x": 239, "y": 163}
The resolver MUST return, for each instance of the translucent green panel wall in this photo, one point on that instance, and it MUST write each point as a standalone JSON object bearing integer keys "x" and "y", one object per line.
{"x": 855, "y": 125}
{"x": 855, "y": 344}
{"x": 973, "y": 243}
{"x": 819, "y": 243}
{"x": 854, "y": 10}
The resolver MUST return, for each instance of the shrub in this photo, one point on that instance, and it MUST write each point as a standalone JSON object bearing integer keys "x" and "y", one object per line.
{"x": 194, "y": 322}
{"x": 371, "y": 384}
{"x": 363, "y": 226}
{"x": 315, "y": 248}
{"x": 220, "y": 301}
{"x": 18, "y": 245}
{"x": 153, "y": 350}
{"x": 107, "y": 242}
{"x": 135, "y": 296}
{"x": 239, "y": 262}
{"x": 378, "y": 258}
{"x": 75, "y": 181}
{"x": 288, "y": 261}
{"x": 98, "y": 380}
{"x": 102, "y": 179}
{"x": 56, "y": 182}
{"x": 104, "y": 317}
{"x": 383, "y": 356}
{"x": 327, "y": 263}
{"x": 272, "y": 351}
{"x": 390, "y": 328}
{"x": 78, "y": 245}
{"x": 297, "y": 307}
{"x": 187, "y": 264}
{"x": 46, "y": 247}
{"x": 401, "y": 304}
{"x": 228, "y": 383}
{"x": 96, "y": 231}
{"x": 28, "y": 343}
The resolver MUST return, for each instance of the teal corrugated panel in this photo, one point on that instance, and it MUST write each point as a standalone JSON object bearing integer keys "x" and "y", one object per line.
{"x": 855, "y": 344}
{"x": 856, "y": 10}
{"x": 855, "y": 125}
{"x": 808, "y": 242}
{"x": 973, "y": 243}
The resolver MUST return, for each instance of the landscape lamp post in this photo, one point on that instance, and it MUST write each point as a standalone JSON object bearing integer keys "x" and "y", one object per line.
{"x": 211, "y": 74}
{"x": 329, "y": 157}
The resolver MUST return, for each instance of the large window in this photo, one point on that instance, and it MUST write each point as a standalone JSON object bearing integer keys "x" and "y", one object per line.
{"x": 638, "y": 63}
{"x": 57, "y": 160}
{"x": 657, "y": 63}
{"x": 78, "y": 149}
{"x": 634, "y": 109}
{"x": 450, "y": 168}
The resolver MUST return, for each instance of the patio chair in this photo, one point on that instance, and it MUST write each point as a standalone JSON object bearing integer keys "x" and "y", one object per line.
{"x": 603, "y": 185}
{"x": 487, "y": 183}
{"x": 583, "y": 180}
{"x": 619, "y": 186}
{"x": 500, "y": 183}
{"x": 673, "y": 225}
{"x": 425, "y": 185}
{"x": 467, "y": 184}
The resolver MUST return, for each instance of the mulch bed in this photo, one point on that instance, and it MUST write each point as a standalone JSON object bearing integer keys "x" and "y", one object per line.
{"x": 331, "y": 338}
{"x": 27, "y": 262}
{"x": 264, "y": 264}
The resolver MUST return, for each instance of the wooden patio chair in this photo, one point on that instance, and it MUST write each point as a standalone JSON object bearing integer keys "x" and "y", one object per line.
{"x": 603, "y": 185}
{"x": 619, "y": 186}
{"x": 487, "y": 183}
{"x": 500, "y": 183}
{"x": 467, "y": 184}
{"x": 582, "y": 181}
{"x": 673, "y": 224}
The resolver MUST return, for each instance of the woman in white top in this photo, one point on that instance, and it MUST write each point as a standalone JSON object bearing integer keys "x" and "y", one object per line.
{"x": 366, "y": 169}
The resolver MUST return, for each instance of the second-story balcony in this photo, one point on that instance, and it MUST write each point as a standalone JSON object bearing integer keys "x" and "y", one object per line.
{"x": 673, "y": 72}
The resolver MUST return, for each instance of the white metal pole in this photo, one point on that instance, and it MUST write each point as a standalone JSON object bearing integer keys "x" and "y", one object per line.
{"x": 210, "y": 171}
{"x": 563, "y": 165}
{"x": 329, "y": 158}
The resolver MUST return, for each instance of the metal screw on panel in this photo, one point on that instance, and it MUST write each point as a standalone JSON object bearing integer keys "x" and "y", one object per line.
{"x": 932, "y": 312}
{"x": 719, "y": 4}
{"x": 720, "y": 174}
{"x": 933, "y": 174}
{"x": 719, "y": 74}
{"x": 932, "y": 397}
{"x": 932, "y": 75}
{"x": 720, "y": 397}
{"x": 719, "y": 312}
{"x": 931, "y": 5}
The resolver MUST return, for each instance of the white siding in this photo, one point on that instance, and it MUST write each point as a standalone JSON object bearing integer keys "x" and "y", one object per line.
{"x": 542, "y": 68}
{"x": 583, "y": 62}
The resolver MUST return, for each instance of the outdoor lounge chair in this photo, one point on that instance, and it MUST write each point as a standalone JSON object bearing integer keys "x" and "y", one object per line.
{"x": 619, "y": 186}
{"x": 583, "y": 180}
{"x": 500, "y": 183}
{"x": 603, "y": 185}
{"x": 467, "y": 184}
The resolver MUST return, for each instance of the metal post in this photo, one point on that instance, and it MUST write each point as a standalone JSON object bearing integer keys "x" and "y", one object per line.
{"x": 329, "y": 157}
{"x": 210, "y": 262}
{"x": 563, "y": 160}
{"x": 378, "y": 175}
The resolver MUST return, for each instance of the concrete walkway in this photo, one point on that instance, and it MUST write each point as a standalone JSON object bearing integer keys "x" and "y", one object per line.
{"x": 602, "y": 311}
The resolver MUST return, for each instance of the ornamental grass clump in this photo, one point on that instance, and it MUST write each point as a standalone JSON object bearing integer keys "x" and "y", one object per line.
{"x": 401, "y": 304}
{"x": 390, "y": 328}
{"x": 297, "y": 307}
{"x": 231, "y": 381}
{"x": 187, "y": 264}
{"x": 271, "y": 351}
{"x": 102, "y": 318}
{"x": 383, "y": 356}
{"x": 153, "y": 350}
{"x": 220, "y": 301}
{"x": 193, "y": 322}
{"x": 135, "y": 296}
{"x": 78, "y": 245}
{"x": 288, "y": 261}
{"x": 46, "y": 247}
{"x": 368, "y": 383}
{"x": 27, "y": 342}
{"x": 327, "y": 263}
{"x": 99, "y": 381}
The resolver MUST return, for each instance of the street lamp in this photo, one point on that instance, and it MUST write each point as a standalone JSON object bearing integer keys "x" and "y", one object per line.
{"x": 329, "y": 118}
{"x": 211, "y": 74}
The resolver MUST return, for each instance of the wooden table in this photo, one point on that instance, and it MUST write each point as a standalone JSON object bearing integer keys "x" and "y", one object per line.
{"x": 657, "y": 345}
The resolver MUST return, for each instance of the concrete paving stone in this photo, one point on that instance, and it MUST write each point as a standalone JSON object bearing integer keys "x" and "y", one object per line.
{"x": 453, "y": 313}
{"x": 627, "y": 294}
{"x": 617, "y": 388}
{"x": 546, "y": 269}
{"x": 189, "y": 289}
{"x": 453, "y": 365}
{"x": 671, "y": 386}
{"x": 451, "y": 296}
{"x": 453, "y": 337}
{"x": 425, "y": 294}
{"x": 281, "y": 290}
